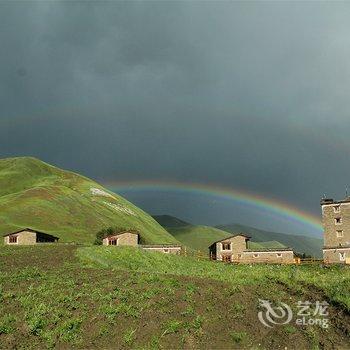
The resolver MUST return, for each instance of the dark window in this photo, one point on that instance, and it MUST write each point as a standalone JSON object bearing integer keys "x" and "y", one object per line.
{"x": 226, "y": 246}
{"x": 13, "y": 239}
{"x": 336, "y": 208}
{"x": 112, "y": 242}
{"x": 338, "y": 220}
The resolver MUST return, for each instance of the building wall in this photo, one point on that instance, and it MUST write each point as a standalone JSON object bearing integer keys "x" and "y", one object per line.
{"x": 167, "y": 250}
{"x": 330, "y": 212}
{"x": 238, "y": 245}
{"x": 332, "y": 256}
{"x": 124, "y": 239}
{"x": 23, "y": 238}
{"x": 270, "y": 257}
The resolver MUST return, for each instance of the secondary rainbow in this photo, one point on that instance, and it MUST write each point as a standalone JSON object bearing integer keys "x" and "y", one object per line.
{"x": 270, "y": 206}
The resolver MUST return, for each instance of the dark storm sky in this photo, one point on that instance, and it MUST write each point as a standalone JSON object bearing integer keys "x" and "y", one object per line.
{"x": 249, "y": 95}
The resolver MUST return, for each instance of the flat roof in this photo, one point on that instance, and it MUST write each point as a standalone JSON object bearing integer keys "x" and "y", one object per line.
{"x": 347, "y": 246}
{"x": 325, "y": 201}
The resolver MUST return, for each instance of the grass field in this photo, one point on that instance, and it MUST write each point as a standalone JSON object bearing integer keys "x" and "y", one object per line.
{"x": 37, "y": 195}
{"x": 97, "y": 297}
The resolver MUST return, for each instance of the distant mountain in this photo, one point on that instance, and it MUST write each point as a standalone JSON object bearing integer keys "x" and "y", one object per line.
{"x": 40, "y": 196}
{"x": 300, "y": 243}
{"x": 170, "y": 221}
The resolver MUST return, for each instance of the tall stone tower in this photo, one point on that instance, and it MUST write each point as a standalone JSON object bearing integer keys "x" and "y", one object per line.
{"x": 336, "y": 225}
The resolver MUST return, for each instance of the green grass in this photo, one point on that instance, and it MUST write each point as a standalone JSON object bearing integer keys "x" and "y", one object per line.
{"x": 37, "y": 195}
{"x": 333, "y": 281}
{"x": 197, "y": 237}
{"x": 261, "y": 245}
{"x": 170, "y": 221}
{"x": 62, "y": 296}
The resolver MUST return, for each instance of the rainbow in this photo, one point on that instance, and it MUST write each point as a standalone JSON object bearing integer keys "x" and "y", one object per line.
{"x": 271, "y": 207}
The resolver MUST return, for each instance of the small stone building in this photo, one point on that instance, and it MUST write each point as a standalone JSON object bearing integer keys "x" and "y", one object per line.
{"x": 336, "y": 226}
{"x": 235, "y": 249}
{"x": 163, "y": 248}
{"x": 28, "y": 236}
{"x": 126, "y": 238}
{"x": 131, "y": 238}
{"x": 229, "y": 249}
{"x": 267, "y": 256}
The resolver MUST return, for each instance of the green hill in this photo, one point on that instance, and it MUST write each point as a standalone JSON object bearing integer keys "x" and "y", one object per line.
{"x": 170, "y": 221}
{"x": 300, "y": 244}
{"x": 197, "y": 237}
{"x": 201, "y": 237}
{"x": 268, "y": 244}
{"x": 40, "y": 196}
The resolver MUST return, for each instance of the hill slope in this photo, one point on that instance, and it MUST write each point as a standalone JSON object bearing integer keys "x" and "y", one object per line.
{"x": 37, "y": 195}
{"x": 300, "y": 244}
{"x": 199, "y": 237}
{"x": 170, "y": 221}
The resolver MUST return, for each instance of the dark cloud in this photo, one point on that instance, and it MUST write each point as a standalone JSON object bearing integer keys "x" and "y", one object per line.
{"x": 251, "y": 95}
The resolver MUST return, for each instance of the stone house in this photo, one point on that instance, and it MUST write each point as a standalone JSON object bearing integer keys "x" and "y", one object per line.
{"x": 336, "y": 226}
{"x": 163, "y": 248}
{"x": 132, "y": 238}
{"x": 28, "y": 236}
{"x": 229, "y": 248}
{"x": 235, "y": 249}
{"x": 125, "y": 238}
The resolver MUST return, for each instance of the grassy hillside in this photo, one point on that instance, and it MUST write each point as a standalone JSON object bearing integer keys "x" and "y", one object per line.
{"x": 197, "y": 237}
{"x": 300, "y": 244}
{"x": 123, "y": 298}
{"x": 334, "y": 281}
{"x": 37, "y": 195}
{"x": 170, "y": 221}
{"x": 201, "y": 237}
{"x": 267, "y": 244}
